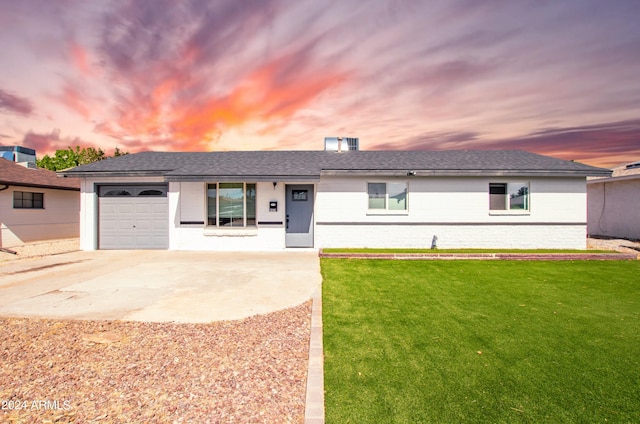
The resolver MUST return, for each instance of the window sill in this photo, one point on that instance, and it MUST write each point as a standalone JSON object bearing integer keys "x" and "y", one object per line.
{"x": 381, "y": 212}
{"x": 231, "y": 232}
{"x": 507, "y": 213}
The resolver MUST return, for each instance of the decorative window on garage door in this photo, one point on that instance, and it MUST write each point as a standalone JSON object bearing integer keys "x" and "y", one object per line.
{"x": 132, "y": 191}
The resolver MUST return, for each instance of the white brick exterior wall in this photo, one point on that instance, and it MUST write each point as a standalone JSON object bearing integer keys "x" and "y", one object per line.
{"x": 455, "y": 209}
{"x": 188, "y": 204}
{"x": 453, "y": 236}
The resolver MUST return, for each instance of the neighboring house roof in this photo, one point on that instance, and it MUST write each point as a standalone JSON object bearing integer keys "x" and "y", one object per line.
{"x": 629, "y": 171}
{"x": 632, "y": 168}
{"x": 14, "y": 174}
{"x": 273, "y": 165}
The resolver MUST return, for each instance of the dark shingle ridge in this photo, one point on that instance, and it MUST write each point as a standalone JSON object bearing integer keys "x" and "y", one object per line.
{"x": 314, "y": 162}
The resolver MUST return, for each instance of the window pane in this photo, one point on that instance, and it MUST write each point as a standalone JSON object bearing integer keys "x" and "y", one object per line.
{"x": 377, "y": 195}
{"x": 38, "y": 202}
{"x": 231, "y": 207}
{"x": 497, "y": 197}
{"x": 518, "y": 196}
{"x": 17, "y": 199}
{"x": 27, "y": 200}
{"x": 398, "y": 196}
{"x": 151, "y": 193}
{"x": 211, "y": 204}
{"x": 251, "y": 204}
{"x": 116, "y": 193}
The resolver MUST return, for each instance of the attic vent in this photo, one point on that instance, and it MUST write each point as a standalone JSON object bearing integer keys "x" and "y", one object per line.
{"x": 30, "y": 165}
{"x": 633, "y": 165}
{"x": 341, "y": 144}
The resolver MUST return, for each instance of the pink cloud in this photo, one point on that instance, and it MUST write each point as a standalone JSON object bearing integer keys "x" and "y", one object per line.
{"x": 43, "y": 143}
{"x": 166, "y": 81}
{"x": 80, "y": 57}
{"x": 74, "y": 99}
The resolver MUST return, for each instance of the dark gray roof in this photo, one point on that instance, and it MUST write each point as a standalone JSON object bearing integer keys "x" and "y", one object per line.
{"x": 274, "y": 165}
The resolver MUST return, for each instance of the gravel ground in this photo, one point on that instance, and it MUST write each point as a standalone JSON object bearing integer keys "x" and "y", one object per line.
{"x": 35, "y": 250}
{"x": 247, "y": 371}
{"x": 619, "y": 245}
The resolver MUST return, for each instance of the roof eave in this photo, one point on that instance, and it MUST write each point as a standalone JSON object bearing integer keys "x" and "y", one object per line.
{"x": 464, "y": 173}
{"x": 613, "y": 179}
{"x": 234, "y": 178}
{"x": 99, "y": 174}
{"x": 52, "y": 187}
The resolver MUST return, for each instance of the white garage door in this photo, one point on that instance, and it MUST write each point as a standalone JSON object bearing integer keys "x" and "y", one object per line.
{"x": 133, "y": 217}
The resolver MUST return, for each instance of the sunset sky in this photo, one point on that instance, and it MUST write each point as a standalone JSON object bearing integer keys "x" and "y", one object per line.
{"x": 561, "y": 78}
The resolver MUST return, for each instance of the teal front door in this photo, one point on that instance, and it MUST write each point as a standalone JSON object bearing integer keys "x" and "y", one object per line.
{"x": 299, "y": 210}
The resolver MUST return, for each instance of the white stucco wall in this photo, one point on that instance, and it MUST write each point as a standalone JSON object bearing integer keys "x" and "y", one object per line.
{"x": 59, "y": 218}
{"x": 456, "y": 210}
{"x": 614, "y": 207}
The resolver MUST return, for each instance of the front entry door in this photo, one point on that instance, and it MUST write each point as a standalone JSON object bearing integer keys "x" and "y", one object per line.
{"x": 299, "y": 209}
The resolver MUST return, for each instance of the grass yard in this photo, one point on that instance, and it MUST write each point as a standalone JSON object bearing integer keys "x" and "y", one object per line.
{"x": 376, "y": 250}
{"x": 481, "y": 341}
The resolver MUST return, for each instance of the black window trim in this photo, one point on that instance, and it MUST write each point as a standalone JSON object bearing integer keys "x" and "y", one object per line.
{"x": 40, "y": 202}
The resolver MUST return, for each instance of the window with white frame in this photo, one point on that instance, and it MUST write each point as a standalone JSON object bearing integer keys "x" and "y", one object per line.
{"x": 513, "y": 196}
{"x": 389, "y": 196}
{"x": 28, "y": 200}
{"x": 231, "y": 204}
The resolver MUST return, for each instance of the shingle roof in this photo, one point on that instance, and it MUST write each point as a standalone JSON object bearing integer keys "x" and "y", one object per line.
{"x": 632, "y": 168}
{"x": 627, "y": 172}
{"x": 13, "y": 174}
{"x": 267, "y": 165}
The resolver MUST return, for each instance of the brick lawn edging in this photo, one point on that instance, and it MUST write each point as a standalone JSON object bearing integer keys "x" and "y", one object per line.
{"x": 314, "y": 404}
{"x": 488, "y": 256}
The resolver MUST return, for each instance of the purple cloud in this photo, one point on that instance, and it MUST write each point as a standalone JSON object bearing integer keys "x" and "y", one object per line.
{"x": 605, "y": 144}
{"x": 15, "y": 104}
{"x": 472, "y": 41}
{"x": 613, "y": 142}
{"x": 44, "y": 143}
{"x": 437, "y": 140}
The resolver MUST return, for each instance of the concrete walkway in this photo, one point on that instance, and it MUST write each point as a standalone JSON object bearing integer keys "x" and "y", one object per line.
{"x": 157, "y": 285}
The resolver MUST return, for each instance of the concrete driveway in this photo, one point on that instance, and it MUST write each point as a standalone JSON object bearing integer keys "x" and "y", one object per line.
{"x": 157, "y": 285}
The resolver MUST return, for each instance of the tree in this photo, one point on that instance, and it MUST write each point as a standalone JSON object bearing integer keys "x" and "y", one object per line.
{"x": 71, "y": 157}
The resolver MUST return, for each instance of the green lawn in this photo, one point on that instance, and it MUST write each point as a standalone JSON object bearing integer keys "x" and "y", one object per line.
{"x": 481, "y": 341}
{"x": 369, "y": 250}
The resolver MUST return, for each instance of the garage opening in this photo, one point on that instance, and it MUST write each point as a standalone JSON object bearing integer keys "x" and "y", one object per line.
{"x": 133, "y": 216}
